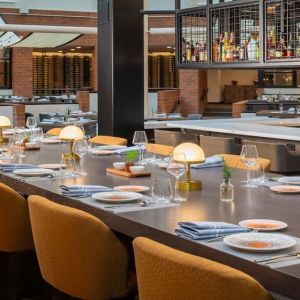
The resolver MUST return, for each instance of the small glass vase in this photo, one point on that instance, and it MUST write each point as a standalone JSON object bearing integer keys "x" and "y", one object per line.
{"x": 226, "y": 191}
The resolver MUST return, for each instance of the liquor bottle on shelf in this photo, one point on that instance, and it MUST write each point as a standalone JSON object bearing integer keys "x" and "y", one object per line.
{"x": 215, "y": 51}
{"x": 183, "y": 50}
{"x": 188, "y": 53}
{"x": 197, "y": 52}
{"x": 193, "y": 58}
{"x": 202, "y": 52}
{"x": 225, "y": 47}
{"x": 272, "y": 48}
{"x": 220, "y": 48}
{"x": 242, "y": 52}
{"x": 230, "y": 53}
{"x": 283, "y": 45}
{"x": 291, "y": 46}
{"x": 252, "y": 48}
{"x": 279, "y": 48}
{"x": 236, "y": 54}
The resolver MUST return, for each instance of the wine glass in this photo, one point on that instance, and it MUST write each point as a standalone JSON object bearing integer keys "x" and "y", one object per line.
{"x": 140, "y": 140}
{"x": 18, "y": 138}
{"x": 38, "y": 134}
{"x": 81, "y": 148}
{"x": 177, "y": 166}
{"x": 31, "y": 123}
{"x": 249, "y": 157}
{"x": 281, "y": 107}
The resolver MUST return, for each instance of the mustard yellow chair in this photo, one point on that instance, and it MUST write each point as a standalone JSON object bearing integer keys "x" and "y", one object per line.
{"x": 234, "y": 161}
{"x": 108, "y": 140}
{"x": 54, "y": 131}
{"x": 159, "y": 149}
{"x": 164, "y": 273}
{"x": 78, "y": 254}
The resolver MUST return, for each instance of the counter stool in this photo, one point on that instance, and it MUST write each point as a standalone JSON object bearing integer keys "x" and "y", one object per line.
{"x": 234, "y": 161}
{"x": 159, "y": 149}
{"x": 16, "y": 243}
{"x": 164, "y": 273}
{"x": 108, "y": 140}
{"x": 77, "y": 253}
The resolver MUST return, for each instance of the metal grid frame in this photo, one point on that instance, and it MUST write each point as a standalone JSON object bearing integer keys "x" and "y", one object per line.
{"x": 282, "y": 30}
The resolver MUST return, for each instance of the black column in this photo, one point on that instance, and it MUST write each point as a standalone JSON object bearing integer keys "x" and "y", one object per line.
{"x": 121, "y": 67}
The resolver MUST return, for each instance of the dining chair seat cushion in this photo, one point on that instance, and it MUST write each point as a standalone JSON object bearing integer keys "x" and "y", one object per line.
{"x": 54, "y": 131}
{"x": 159, "y": 149}
{"x": 15, "y": 228}
{"x": 108, "y": 140}
{"x": 164, "y": 273}
{"x": 77, "y": 253}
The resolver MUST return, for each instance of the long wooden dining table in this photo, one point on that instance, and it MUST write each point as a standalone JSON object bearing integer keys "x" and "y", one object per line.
{"x": 159, "y": 224}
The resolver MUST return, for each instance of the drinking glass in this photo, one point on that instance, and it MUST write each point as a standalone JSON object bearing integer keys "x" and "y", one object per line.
{"x": 281, "y": 107}
{"x": 140, "y": 140}
{"x": 81, "y": 127}
{"x": 67, "y": 166}
{"x": 81, "y": 148}
{"x": 31, "y": 124}
{"x": 257, "y": 174}
{"x": 18, "y": 139}
{"x": 38, "y": 134}
{"x": 162, "y": 190}
{"x": 249, "y": 157}
{"x": 177, "y": 166}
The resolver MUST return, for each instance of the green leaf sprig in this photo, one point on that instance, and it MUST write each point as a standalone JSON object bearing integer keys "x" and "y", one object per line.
{"x": 227, "y": 173}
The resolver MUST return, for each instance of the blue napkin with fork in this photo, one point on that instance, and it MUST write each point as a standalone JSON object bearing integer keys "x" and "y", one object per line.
{"x": 207, "y": 230}
{"x": 12, "y": 167}
{"x": 210, "y": 162}
{"x": 83, "y": 190}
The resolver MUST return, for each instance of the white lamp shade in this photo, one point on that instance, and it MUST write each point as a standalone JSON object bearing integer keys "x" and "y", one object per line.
{"x": 71, "y": 133}
{"x": 193, "y": 153}
{"x": 4, "y": 121}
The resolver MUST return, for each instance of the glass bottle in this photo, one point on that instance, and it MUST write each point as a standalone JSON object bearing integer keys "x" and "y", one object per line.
{"x": 215, "y": 50}
{"x": 291, "y": 47}
{"x": 220, "y": 48}
{"x": 226, "y": 48}
{"x": 193, "y": 57}
{"x": 197, "y": 52}
{"x": 298, "y": 48}
{"x": 188, "y": 53}
{"x": 252, "y": 48}
{"x": 272, "y": 50}
{"x": 232, "y": 47}
{"x": 226, "y": 191}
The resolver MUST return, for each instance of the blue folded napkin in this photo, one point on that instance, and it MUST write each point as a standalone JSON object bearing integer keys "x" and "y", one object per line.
{"x": 210, "y": 162}
{"x": 82, "y": 190}
{"x": 127, "y": 149}
{"x": 207, "y": 230}
{"x": 12, "y": 167}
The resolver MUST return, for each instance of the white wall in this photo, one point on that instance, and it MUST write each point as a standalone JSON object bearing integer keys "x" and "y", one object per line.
{"x": 216, "y": 79}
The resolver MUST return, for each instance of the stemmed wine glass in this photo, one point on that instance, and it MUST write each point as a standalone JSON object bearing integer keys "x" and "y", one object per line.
{"x": 177, "y": 166}
{"x": 249, "y": 157}
{"x": 140, "y": 140}
{"x": 81, "y": 148}
{"x": 31, "y": 124}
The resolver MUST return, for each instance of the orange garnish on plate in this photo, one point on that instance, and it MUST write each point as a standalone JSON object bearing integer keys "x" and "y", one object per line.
{"x": 116, "y": 198}
{"x": 261, "y": 225}
{"x": 258, "y": 244}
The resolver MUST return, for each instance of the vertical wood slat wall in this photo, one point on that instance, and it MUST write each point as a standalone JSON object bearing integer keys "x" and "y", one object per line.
{"x": 55, "y": 74}
{"x": 162, "y": 71}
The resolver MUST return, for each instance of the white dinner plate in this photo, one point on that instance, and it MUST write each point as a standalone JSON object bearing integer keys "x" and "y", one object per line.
{"x": 259, "y": 242}
{"x": 286, "y": 189}
{"x": 33, "y": 172}
{"x": 101, "y": 152}
{"x": 263, "y": 224}
{"x": 117, "y": 197}
{"x": 50, "y": 166}
{"x": 111, "y": 147}
{"x": 289, "y": 180}
{"x": 131, "y": 188}
{"x": 51, "y": 141}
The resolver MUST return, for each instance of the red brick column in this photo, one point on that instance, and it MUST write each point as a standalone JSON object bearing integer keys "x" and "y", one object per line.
{"x": 19, "y": 115}
{"x": 167, "y": 100}
{"x": 192, "y": 85}
{"x": 83, "y": 100}
{"x": 22, "y": 70}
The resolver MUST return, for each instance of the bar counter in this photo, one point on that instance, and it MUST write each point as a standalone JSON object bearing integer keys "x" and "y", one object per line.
{"x": 159, "y": 224}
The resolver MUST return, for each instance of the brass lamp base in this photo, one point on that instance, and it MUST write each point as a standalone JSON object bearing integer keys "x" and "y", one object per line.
{"x": 189, "y": 185}
{"x": 70, "y": 156}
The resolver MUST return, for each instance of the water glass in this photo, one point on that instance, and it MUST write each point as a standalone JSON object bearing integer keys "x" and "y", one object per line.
{"x": 140, "y": 140}
{"x": 31, "y": 123}
{"x": 81, "y": 148}
{"x": 18, "y": 139}
{"x": 281, "y": 107}
{"x": 257, "y": 174}
{"x": 162, "y": 190}
{"x": 37, "y": 134}
{"x": 67, "y": 166}
{"x": 249, "y": 157}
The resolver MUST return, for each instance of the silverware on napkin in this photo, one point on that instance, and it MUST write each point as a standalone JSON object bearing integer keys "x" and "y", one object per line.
{"x": 268, "y": 259}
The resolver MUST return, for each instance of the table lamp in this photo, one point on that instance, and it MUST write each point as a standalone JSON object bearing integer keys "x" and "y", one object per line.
{"x": 193, "y": 155}
{"x": 4, "y": 122}
{"x": 69, "y": 134}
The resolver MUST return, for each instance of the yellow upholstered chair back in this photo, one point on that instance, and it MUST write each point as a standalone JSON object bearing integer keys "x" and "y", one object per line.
{"x": 108, "y": 140}
{"x": 77, "y": 253}
{"x": 54, "y": 131}
{"x": 159, "y": 149}
{"x": 164, "y": 273}
{"x": 15, "y": 229}
{"x": 234, "y": 161}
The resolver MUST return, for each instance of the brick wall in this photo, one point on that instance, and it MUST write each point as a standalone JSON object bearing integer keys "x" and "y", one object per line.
{"x": 167, "y": 100}
{"x": 19, "y": 115}
{"x": 83, "y": 100}
{"x": 192, "y": 85}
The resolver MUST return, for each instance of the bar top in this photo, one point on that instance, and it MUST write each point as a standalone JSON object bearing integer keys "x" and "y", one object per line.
{"x": 283, "y": 129}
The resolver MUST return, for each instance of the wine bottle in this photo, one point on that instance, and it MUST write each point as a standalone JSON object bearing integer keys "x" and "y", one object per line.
{"x": 252, "y": 48}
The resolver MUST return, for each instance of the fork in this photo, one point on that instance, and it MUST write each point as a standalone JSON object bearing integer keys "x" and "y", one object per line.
{"x": 269, "y": 259}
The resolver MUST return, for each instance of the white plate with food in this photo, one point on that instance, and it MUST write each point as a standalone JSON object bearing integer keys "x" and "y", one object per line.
{"x": 38, "y": 172}
{"x": 101, "y": 152}
{"x": 263, "y": 224}
{"x": 50, "y": 166}
{"x": 131, "y": 188}
{"x": 117, "y": 197}
{"x": 111, "y": 147}
{"x": 286, "y": 189}
{"x": 292, "y": 180}
{"x": 259, "y": 242}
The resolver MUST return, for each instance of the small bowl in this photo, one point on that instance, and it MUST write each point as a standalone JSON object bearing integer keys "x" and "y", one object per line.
{"x": 119, "y": 166}
{"x": 137, "y": 169}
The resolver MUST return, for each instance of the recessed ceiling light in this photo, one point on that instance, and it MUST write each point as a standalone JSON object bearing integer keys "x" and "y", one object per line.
{"x": 72, "y": 49}
{"x": 169, "y": 47}
{"x": 60, "y": 51}
{"x": 78, "y": 47}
